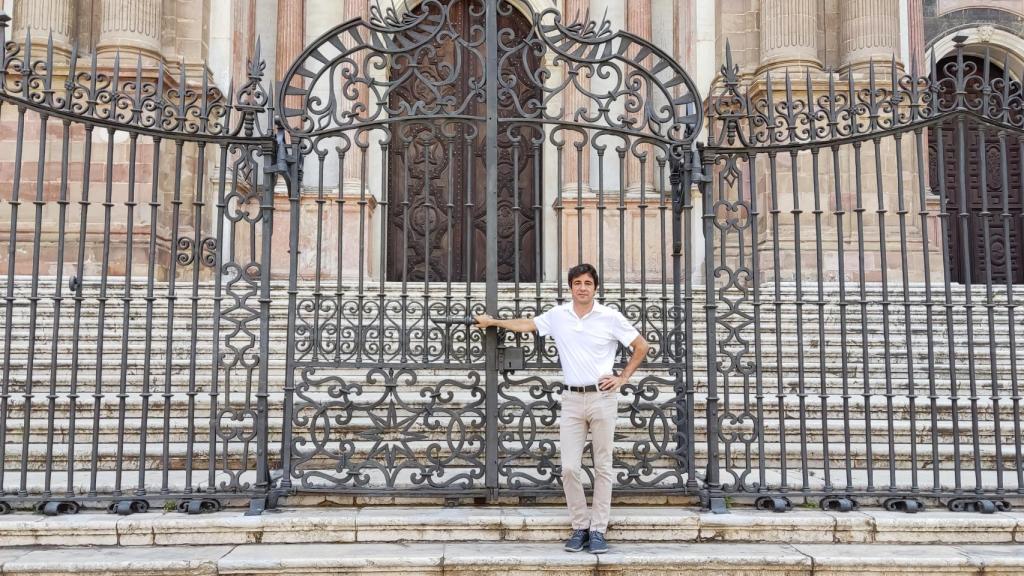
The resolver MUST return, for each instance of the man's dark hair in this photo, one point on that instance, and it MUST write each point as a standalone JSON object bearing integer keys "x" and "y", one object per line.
{"x": 581, "y": 269}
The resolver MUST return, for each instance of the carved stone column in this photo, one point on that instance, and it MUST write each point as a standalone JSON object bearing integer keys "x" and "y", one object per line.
{"x": 43, "y": 18}
{"x": 789, "y": 32}
{"x": 869, "y": 29}
{"x": 131, "y": 24}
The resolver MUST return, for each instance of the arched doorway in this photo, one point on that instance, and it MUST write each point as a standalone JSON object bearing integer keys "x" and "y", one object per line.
{"x": 436, "y": 225}
{"x": 984, "y": 183}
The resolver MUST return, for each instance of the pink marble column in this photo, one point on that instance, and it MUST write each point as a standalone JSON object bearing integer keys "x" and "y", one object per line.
{"x": 290, "y": 39}
{"x": 574, "y": 162}
{"x": 353, "y": 158}
{"x": 915, "y": 15}
{"x": 638, "y": 23}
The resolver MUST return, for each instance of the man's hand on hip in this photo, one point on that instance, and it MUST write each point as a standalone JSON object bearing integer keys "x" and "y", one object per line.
{"x": 610, "y": 382}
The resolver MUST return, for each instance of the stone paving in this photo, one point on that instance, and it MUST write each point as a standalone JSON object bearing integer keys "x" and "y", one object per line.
{"x": 512, "y": 558}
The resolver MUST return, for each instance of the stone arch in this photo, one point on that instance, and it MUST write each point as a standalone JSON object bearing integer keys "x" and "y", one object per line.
{"x": 1000, "y": 43}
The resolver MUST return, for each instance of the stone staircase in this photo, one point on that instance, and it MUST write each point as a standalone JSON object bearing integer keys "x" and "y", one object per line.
{"x": 804, "y": 432}
{"x": 798, "y": 425}
{"x": 414, "y": 541}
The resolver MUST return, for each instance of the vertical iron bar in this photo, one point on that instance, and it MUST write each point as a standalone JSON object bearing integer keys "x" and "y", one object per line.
{"x": 293, "y": 292}
{"x": 947, "y": 256}
{"x": 33, "y": 305}
{"x": 886, "y": 348}
{"x": 933, "y": 397}
{"x": 12, "y": 255}
{"x": 58, "y": 299}
{"x": 126, "y": 307}
{"x": 79, "y": 300}
{"x": 901, "y": 213}
{"x": 757, "y": 304}
{"x": 101, "y": 314}
{"x": 600, "y": 222}
{"x": 218, "y": 297}
{"x": 799, "y": 303}
{"x": 197, "y": 263}
{"x": 780, "y": 392}
{"x": 966, "y": 262}
{"x": 172, "y": 297}
{"x": 491, "y": 39}
{"x": 154, "y": 206}
{"x": 858, "y": 212}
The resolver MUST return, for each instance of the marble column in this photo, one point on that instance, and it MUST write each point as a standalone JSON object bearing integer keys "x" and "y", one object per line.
{"x": 43, "y": 18}
{"x": 638, "y": 23}
{"x": 321, "y": 16}
{"x": 915, "y": 14}
{"x": 353, "y": 159}
{"x": 575, "y": 162}
{"x": 869, "y": 29}
{"x": 290, "y": 40}
{"x": 131, "y": 24}
{"x": 789, "y": 33}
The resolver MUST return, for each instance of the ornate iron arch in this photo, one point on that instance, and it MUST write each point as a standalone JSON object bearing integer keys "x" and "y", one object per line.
{"x": 658, "y": 97}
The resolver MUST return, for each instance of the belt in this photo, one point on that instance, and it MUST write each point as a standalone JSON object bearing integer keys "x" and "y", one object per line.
{"x": 590, "y": 388}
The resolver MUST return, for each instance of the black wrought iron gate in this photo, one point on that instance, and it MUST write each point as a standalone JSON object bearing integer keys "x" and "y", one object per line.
{"x": 215, "y": 295}
{"x": 483, "y": 127}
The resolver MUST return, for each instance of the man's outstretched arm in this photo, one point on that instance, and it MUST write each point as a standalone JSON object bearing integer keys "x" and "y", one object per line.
{"x": 514, "y": 324}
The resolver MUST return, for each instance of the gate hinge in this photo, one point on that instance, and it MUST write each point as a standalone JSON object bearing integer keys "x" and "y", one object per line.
{"x": 285, "y": 157}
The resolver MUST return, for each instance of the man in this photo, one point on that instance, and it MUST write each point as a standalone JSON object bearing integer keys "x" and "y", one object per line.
{"x": 587, "y": 335}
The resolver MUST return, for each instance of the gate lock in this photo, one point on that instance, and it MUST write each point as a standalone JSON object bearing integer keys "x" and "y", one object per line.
{"x": 511, "y": 359}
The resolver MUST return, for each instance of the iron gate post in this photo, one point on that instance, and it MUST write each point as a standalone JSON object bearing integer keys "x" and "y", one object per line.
{"x": 280, "y": 159}
{"x": 491, "y": 405}
{"x": 714, "y": 499}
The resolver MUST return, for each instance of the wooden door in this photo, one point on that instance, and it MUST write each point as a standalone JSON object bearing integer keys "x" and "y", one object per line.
{"x": 436, "y": 172}
{"x": 983, "y": 172}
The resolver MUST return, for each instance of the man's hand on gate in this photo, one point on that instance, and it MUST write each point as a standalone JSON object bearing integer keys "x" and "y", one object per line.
{"x": 483, "y": 320}
{"x": 610, "y": 382}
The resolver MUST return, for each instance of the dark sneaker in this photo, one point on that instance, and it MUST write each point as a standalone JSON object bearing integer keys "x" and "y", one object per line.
{"x": 597, "y": 542}
{"x": 577, "y": 541}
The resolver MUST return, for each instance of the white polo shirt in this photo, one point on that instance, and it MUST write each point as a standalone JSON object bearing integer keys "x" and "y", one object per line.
{"x": 586, "y": 346}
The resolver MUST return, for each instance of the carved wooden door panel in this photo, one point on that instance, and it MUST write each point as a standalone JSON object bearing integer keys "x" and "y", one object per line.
{"x": 436, "y": 171}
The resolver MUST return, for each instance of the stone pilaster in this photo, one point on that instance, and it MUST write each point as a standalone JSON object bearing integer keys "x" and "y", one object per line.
{"x": 131, "y": 24}
{"x": 869, "y": 29}
{"x": 43, "y": 18}
{"x": 789, "y": 32}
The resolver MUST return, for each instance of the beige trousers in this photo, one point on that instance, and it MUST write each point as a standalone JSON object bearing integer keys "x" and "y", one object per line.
{"x": 583, "y": 412}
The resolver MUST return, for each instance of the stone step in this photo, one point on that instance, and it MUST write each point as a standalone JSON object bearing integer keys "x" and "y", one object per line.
{"x": 771, "y": 430}
{"x": 517, "y": 558}
{"x": 235, "y": 455}
{"x": 496, "y": 523}
{"x": 230, "y": 486}
{"x": 835, "y": 406}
